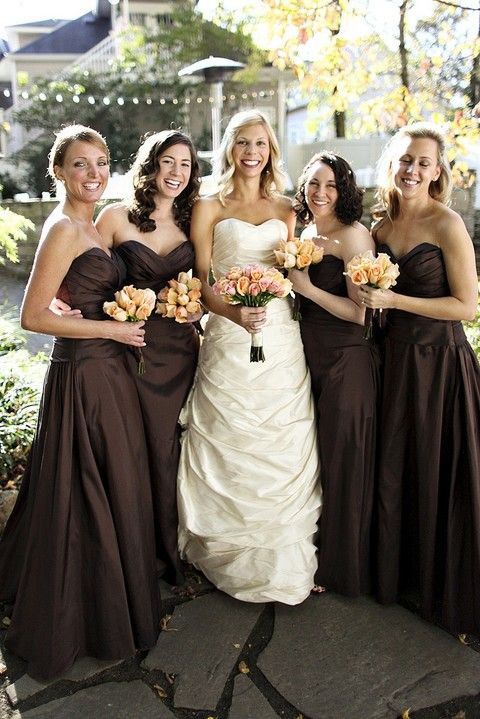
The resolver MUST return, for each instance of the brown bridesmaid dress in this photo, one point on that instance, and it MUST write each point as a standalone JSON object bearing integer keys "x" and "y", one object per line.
{"x": 429, "y": 474}
{"x": 77, "y": 558}
{"x": 344, "y": 370}
{"x": 170, "y": 361}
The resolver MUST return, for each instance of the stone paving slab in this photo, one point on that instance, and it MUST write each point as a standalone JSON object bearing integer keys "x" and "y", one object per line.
{"x": 209, "y": 633}
{"x": 125, "y": 700}
{"x": 83, "y": 668}
{"x": 340, "y": 658}
{"x": 248, "y": 702}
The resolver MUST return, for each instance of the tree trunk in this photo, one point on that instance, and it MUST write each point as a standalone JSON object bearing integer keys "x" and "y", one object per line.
{"x": 339, "y": 120}
{"x": 401, "y": 45}
{"x": 474, "y": 90}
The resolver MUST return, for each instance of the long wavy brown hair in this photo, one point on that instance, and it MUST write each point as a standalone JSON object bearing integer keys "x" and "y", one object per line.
{"x": 144, "y": 171}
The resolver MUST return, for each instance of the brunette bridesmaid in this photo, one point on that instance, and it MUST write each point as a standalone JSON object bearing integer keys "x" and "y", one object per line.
{"x": 429, "y": 475}
{"x": 77, "y": 558}
{"x": 151, "y": 232}
{"x": 344, "y": 371}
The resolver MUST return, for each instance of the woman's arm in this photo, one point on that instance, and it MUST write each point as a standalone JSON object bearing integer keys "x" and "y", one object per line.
{"x": 459, "y": 258}
{"x": 52, "y": 261}
{"x": 354, "y": 241}
{"x": 205, "y": 215}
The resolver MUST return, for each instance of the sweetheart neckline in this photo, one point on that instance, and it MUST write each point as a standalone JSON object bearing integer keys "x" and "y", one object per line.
{"x": 402, "y": 257}
{"x": 251, "y": 224}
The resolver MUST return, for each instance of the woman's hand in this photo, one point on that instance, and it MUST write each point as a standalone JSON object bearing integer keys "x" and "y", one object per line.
{"x": 375, "y": 298}
{"x": 251, "y": 319}
{"x": 58, "y": 307}
{"x": 301, "y": 282}
{"x": 128, "y": 333}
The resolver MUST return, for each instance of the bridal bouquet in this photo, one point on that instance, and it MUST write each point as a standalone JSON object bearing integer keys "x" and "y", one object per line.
{"x": 298, "y": 254}
{"x": 132, "y": 305}
{"x": 180, "y": 300}
{"x": 379, "y": 272}
{"x": 253, "y": 286}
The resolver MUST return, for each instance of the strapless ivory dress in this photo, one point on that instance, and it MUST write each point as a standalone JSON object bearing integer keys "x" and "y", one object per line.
{"x": 248, "y": 487}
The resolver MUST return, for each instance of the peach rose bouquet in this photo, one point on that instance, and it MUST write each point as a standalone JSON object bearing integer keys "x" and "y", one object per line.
{"x": 181, "y": 299}
{"x": 298, "y": 254}
{"x": 132, "y": 305}
{"x": 253, "y": 286}
{"x": 379, "y": 272}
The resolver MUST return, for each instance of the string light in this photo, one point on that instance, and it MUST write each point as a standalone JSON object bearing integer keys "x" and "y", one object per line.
{"x": 106, "y": 100}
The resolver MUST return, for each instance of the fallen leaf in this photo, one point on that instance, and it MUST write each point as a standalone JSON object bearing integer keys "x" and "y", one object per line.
{"x": 463, "y": 639}
{"x": 170, "y": 678}
{"x": 237, "y": 646}
{"x": 164, "y": 624}
{"x": 6, "y": 621}
{"x": 300, "y": 716}
{"x": 3, "y": 668}
{"x": 243, "y": 668}
{"x": 406, "y": 714}
{"x": 461, "y": 715}
{"x": 160, "y": 691}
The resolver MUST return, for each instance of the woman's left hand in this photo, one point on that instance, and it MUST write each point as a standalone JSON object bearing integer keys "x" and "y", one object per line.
{"x": 300, "y": 280}
{"x": 375, "y": 298}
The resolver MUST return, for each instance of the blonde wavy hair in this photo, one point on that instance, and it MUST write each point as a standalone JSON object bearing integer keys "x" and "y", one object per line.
{"x": 388, "y": 203}
{"x": 272, "y": 178}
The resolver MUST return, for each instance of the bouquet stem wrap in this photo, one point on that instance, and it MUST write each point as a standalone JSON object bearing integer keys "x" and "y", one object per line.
{"x": 256, "y": 348}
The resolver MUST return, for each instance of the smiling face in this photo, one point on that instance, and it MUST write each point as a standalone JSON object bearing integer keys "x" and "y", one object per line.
{"x": 321, "y": 191}
{"x": 251, "y": 150}
{"x": 174, "y": 170}
{"x": 416, "y": 167}
{"x": 84, "y": 171}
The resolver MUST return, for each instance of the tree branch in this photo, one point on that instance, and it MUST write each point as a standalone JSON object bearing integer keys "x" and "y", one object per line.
{"x": 460, "y": 7}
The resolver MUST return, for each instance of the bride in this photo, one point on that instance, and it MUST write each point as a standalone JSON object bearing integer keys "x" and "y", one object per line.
{"x": 248, "y": 485}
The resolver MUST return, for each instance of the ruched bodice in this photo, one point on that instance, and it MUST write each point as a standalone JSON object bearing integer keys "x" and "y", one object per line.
{"x": 145, "y": 268}
{"x": 234, "y": 239}
{"x": 329, "y": 275}
{"x": 93, "y": 278}
{"x": 422, "y": 274}
{"x": 248, "y": 480}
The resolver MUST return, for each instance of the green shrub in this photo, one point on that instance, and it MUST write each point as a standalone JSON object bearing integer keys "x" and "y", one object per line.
{"x": 21, "y": 379}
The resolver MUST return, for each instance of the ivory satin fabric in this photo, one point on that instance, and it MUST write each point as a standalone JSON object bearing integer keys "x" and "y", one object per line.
{"x": 248, "y": 487}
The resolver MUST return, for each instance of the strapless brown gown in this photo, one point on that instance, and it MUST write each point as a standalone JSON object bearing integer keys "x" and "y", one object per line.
{"x": 429, "y": 475}
{"x": 170, "y": 361}
{"x": 77, "y": 557}
{"x": 344, "y": 370}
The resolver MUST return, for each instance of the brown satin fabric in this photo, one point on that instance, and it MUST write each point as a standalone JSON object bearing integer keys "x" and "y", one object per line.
{"x": 429, "y": 474}
{"x": 77, "y": 557}
{"x": 344, "y": 370}
{"x": 170, "y": 360}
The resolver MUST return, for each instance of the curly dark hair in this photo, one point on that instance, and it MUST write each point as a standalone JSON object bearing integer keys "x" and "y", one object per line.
{"x": 145, "y": 170}
{"x": 349, "y": 205}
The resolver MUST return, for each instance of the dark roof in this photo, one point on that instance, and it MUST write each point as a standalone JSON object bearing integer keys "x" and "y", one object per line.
{"x": 74, "y": 37}
{"x": 51, "y": 22}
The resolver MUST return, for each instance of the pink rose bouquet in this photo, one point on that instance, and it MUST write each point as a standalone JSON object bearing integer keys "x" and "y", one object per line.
{"x": 181, "y": 299}
{"x": 379, "y": 272}
{"x": 253, "y": 286}
{"x": 132, "y": 305}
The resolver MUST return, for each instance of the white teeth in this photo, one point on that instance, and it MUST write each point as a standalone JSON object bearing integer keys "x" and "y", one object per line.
{"x": 91, "y": 185}
{"x": 410, "y": 182}
{"x": 251, "y": 163}
{"x": 172, "y": 183}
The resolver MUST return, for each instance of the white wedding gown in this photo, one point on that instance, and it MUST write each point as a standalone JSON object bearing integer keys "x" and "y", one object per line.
{"x": 248, "y": 487}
